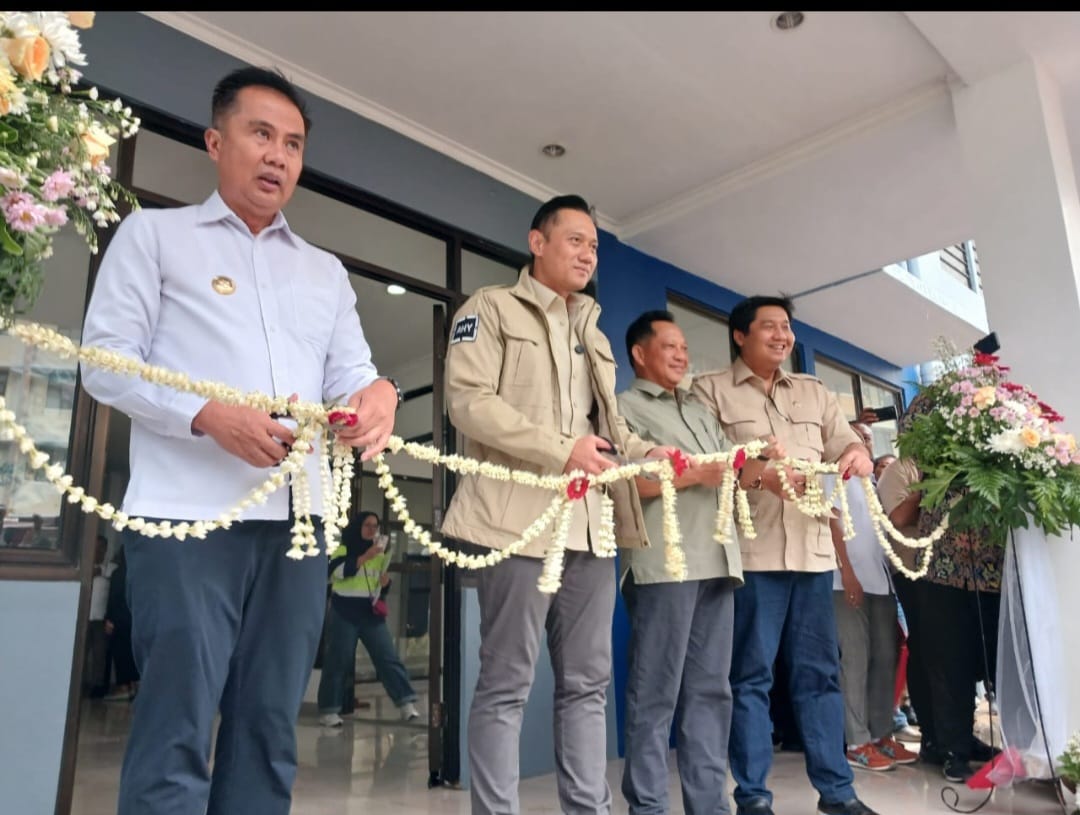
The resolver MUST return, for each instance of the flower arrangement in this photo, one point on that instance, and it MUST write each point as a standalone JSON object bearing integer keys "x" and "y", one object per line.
{"x": 54, "y": 141}
{"x": 1069, "y": 772}
{"x": 991, "y": 451}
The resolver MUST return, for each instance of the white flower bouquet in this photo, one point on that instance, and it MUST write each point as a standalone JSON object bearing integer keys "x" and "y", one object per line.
{"x": 55, "y": 139}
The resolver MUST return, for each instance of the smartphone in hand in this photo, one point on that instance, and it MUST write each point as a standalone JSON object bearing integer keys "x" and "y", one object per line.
{"x": 885, "y": 414}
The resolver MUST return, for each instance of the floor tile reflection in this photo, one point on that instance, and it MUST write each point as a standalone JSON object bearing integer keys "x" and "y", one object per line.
{"x": 377, "y": 763}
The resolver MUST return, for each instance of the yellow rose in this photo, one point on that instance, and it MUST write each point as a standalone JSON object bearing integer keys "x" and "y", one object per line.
{"x": 29, "y": 56}
{"x": 81, "y": 19}
{"x": 1029, "y": 437}
{"x": 97, "y": 143}
{"x": 984, "y": 397}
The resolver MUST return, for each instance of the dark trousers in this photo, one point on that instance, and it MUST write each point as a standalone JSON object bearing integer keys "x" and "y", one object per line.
{"x": 962, "y": 648}
{"x": 918, "y": 680}
{"x": 120, "y": 657}
{"x": 790, "y": 614}
{"x": 95, "y": 672}
{"x": 227, "y": 624}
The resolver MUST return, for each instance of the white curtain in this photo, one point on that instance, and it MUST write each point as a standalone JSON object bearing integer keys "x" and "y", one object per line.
{"x": 1031, "y": 685}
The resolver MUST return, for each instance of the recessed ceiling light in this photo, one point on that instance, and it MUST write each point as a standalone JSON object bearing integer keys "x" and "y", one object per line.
{"x": 553, "y": 150}
{"x": 787, "y": 20}
{"x": 395, "y": 289}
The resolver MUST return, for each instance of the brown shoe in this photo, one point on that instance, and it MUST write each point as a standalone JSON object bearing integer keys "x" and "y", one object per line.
{"x": 868, "y": 757}
{"x": 891, "y": 748}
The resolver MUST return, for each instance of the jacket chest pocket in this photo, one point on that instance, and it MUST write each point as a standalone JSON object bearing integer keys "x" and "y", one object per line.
{"x": 525, "y": 358}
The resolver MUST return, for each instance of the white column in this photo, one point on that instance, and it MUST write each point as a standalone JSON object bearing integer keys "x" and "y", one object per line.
{"x": 1027, "y": 233}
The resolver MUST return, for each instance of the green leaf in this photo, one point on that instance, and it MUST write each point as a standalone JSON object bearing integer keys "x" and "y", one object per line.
{"x": 9, "y": 243}
{"x": 987, "y": 484}
{"x": 935, "y": 486}
{"x": 8, "y": 134}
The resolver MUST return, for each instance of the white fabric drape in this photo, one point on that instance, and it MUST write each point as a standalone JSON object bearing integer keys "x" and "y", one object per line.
{"x": 1031, "y": 685}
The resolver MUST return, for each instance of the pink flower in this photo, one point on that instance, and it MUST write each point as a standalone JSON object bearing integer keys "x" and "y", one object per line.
{"x": 21, "y": 212}
{"x": 56, "y": 217}
{"x": 58, "y": 185}
{"x": 974, "y": 413}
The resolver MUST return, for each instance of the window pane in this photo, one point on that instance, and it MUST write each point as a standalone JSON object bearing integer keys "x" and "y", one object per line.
{"x": 706, "y": 336}
{"x": 841, "y": 383}
{"x": 877, "y": 396}
{"x": 342, "y": 228}
{"x": 478, "y": 271}
{"x": 789, "y": 363}
{"x": 40, "y": 388}
{"x": 172, "y": 169}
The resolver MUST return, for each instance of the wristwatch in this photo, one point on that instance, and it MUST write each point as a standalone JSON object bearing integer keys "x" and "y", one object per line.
{"x": 397, "y": 389}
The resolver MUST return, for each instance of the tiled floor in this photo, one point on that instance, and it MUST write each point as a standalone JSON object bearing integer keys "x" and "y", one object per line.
{"x": 377, "y": 764}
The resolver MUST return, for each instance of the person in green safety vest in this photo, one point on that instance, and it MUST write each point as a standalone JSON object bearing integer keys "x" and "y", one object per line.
{"x": 357, "y": 612}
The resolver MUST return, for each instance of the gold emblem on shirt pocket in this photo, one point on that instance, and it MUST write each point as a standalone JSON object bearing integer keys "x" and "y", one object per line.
{"x": 223, "y": 285}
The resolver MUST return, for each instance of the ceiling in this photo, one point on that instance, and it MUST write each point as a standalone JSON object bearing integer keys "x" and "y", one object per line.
{"x": 761, "y": 159}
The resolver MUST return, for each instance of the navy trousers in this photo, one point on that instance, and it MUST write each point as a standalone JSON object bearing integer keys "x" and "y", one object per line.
{"x": 229, "y": 625}
{"x": 790, "y": 615}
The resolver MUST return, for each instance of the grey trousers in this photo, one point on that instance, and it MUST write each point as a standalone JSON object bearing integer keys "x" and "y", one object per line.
{"x": 680, "y": 658}
{"x": 869, "y": 648}
{"x": 513, "y": 618}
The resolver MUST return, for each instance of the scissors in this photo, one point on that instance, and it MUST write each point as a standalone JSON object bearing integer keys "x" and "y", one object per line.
{"x": 613, "y": 454}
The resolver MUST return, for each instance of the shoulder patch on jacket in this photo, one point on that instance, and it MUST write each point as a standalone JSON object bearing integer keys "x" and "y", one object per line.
{"x": 465, "y": 329}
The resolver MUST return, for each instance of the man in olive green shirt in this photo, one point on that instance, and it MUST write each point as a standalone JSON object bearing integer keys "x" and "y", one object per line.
{"x": 785, "y": 609}
{"x": 680, "y": 651}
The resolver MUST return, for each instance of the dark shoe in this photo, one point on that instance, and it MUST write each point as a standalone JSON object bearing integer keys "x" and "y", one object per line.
{"x": 852, "y": 807}
{"x": 909, "y": 714}
{"x": 981, "y": 751}
{"x": 929, "y": 754}
{"x": 956, "y": 769}
{"x": 758, "y": 806}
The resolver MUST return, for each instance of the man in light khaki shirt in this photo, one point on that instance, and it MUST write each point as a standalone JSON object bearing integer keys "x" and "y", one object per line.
{"x": 785, "y": 607}
{"x": 530, "y": 382}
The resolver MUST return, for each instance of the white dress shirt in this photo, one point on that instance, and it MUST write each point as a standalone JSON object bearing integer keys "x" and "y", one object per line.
{"x": 289, "y": 326}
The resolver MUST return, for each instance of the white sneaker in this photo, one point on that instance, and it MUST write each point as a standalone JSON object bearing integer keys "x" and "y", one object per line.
{"x": 908, "y": 733}
{"x": 331, "y": 720}
{"x": 409, "y": 712}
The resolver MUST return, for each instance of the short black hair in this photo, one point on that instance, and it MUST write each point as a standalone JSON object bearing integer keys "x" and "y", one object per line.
{"x": 549, "y": 211}
{"x": 744, "y": 313}
{"x": 641, "y": 329}
{"x": 229, "y": 86}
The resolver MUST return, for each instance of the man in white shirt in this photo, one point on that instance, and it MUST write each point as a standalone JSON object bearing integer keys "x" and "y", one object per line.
{"x": 224, "y": 291}
{"x": 867, "y": 631}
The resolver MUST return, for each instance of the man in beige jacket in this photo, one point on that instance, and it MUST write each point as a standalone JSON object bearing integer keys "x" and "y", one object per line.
{"x": 530, "y": 382}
